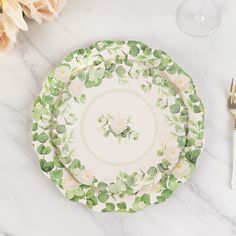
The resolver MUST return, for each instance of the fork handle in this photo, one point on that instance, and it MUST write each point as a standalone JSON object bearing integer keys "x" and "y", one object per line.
{"x": 233, "y": 180}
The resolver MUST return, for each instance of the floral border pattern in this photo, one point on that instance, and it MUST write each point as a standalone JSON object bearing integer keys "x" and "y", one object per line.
{"x": 140, "y": 178}
{"x": 155, "y": 63}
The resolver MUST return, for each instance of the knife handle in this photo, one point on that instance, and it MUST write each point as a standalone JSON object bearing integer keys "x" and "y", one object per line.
{"x": 233, "y": 180}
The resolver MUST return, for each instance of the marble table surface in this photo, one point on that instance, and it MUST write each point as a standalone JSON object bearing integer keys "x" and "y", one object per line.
{"x": 31, "y": 206}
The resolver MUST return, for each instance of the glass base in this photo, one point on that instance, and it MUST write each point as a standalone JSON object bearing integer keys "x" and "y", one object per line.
{"x": 198, "y": 18}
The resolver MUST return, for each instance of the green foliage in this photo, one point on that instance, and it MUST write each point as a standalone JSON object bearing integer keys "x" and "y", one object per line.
{"x": 43, "y": 150}
{"x": 120, "y": 71}
{"x": 192, "y": 155}
{"x": 174, "y": 109}
{"x": 152, "y": 171}
{"x": 46, "y": 166}
{"x": 102, "y": 197}
{"x": 43, "y": 137}
{"x": 56, "y": 174}
{"x": 61, "y": 129}
{"x": 134, "y": 51}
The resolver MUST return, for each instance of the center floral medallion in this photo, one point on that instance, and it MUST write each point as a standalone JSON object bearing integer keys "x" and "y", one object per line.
{"x": 118, "y": 127}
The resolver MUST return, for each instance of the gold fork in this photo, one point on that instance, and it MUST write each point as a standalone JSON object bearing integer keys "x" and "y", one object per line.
{"x": 232, "y": 110}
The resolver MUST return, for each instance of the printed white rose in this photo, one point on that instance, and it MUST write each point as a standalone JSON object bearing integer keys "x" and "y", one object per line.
{"x": 68, "y": 182}
{"x": 181, "y": 169}
{"x": 76, "y": 87}
{"x": 118, "y": 187}
{"x": 62, "y": 73}
{"x": 118, "y": 125}
{"x": 150, "y": 188}
{"x": 84, "y": 177}
{"x": 157, "y": 187}
{"x": 181, "y": 82}
{"x": 172, "y": 155}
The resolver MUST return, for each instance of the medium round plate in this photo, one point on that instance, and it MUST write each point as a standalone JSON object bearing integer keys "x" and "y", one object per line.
{"x": 111, "y": 123}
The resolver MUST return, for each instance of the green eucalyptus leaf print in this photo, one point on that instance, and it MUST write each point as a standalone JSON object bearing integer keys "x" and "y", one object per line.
{"x": 46, "y": 166}
{"x": 125, "y": 62}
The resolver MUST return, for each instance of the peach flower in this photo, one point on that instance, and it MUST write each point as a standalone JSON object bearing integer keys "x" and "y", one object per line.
{"x": 43, "y": 9}
{"x": 6, "y": 43}
{"x": 13, "y": 10}
{"x": 12, "y": 17}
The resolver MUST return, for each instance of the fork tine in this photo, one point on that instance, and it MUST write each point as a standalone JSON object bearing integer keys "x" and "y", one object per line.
{"x": 234, "y": 94}
{"x": 232, "y": 91}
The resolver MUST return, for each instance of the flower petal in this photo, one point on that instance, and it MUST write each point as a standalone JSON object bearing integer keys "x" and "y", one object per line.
{"x": 10, "y": 27}
{"x": 31, "y": 12}
{"x": 24, "y": 2}
{"x": 14, "y": 10}
{"x": 6, "y": 44}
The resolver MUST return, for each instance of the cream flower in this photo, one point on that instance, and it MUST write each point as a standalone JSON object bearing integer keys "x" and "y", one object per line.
{"x": 181, "y": 82}
{"x": 155, "y": 187}
{"x": 76, "y": 87}
{"x": 172, "y": 155}
{"x": 68, "y": 182}
{"x": 181, "y": 169}
{"x": 62, "y": 73}
{"x": 141, "y": 205}
{"x": 118, "y": 125}
{"x": 118, "y": 187}
{"x": 84, "y": 176}
{"x": 43, "y": 9}
{"x": 12, "y": 17}
{"x": 6, "y": 43}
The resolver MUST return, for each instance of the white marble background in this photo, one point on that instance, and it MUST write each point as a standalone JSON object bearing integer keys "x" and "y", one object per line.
{"x": 31, "y": 206}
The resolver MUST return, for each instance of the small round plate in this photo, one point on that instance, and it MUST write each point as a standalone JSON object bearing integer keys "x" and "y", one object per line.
{"x": 118, "y": 126}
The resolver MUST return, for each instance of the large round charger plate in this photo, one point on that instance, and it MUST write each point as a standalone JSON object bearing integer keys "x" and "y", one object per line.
{"x": 154, "y": 63}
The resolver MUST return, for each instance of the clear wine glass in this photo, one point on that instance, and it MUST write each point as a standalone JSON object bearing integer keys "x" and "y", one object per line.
{"x": 198, "y": 18}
